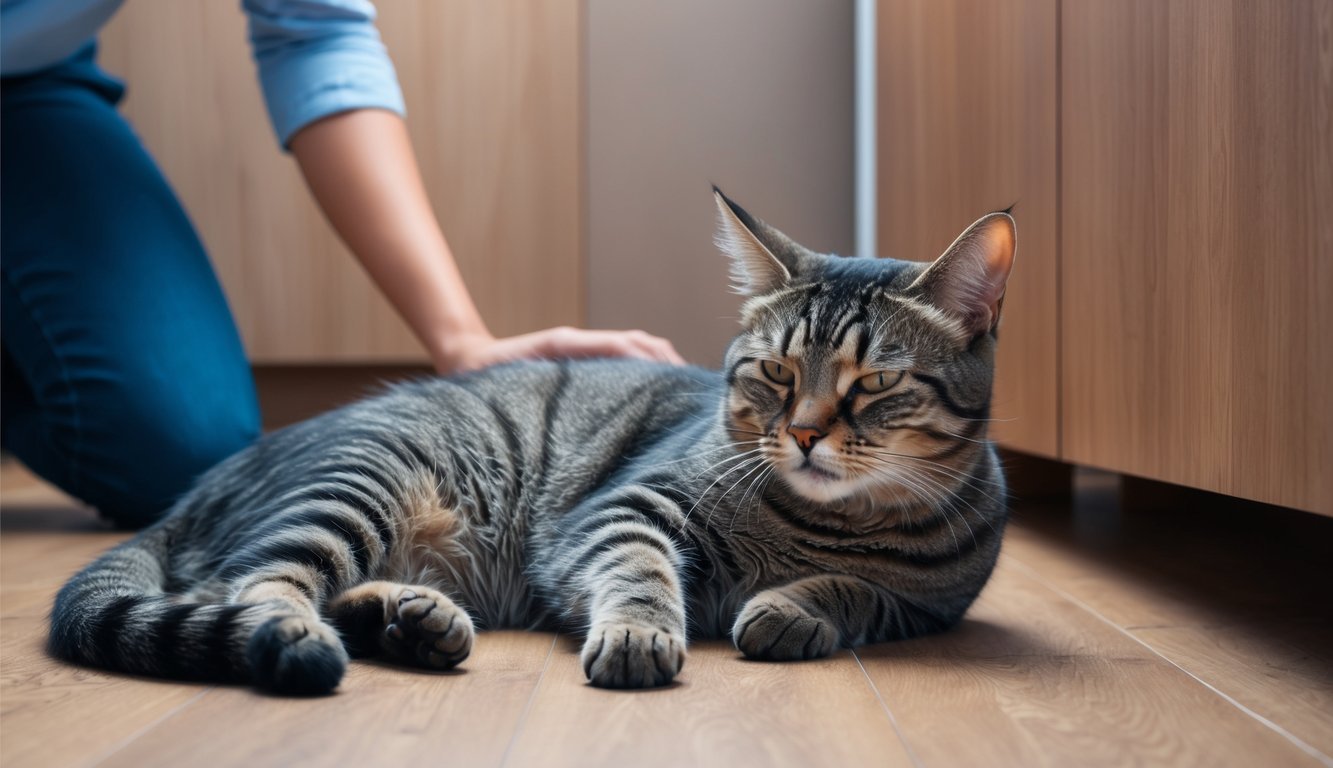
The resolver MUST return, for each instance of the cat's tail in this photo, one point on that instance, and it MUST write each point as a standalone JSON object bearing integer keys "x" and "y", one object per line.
{"x": 116, "y": 614}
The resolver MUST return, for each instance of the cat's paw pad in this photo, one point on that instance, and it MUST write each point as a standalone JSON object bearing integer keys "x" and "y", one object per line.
{"x": 428, "y": 629}
{"x": 773, "y": 627}
{"x": 620, "y": 655}
{"x": 296, "y": 655}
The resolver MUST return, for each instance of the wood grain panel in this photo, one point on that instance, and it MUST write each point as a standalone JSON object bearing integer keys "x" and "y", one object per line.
{"x": 494, "y": 98}
{"x": 967, "y": 125}
{"x": 1197, "y": 244}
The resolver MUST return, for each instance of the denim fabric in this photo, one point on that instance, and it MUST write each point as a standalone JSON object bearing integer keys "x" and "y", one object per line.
{"x": 124, "y": 376}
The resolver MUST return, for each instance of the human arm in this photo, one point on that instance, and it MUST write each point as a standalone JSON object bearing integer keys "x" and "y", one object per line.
{"x": 361, "y": 169}
{"x": 335, "y": 104}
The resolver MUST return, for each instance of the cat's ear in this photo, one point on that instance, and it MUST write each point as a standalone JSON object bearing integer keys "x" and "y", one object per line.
{"x": 968, "y": 280}
{"x": 762, "y": 258}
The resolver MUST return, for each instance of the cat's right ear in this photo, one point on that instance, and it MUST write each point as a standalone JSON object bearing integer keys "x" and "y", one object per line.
{"x": 754, "y": 268}
{"x": 968, "y": 281}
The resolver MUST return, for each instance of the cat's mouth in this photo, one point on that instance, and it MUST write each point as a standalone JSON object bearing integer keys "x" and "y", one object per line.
{"x": 814, "y": 471}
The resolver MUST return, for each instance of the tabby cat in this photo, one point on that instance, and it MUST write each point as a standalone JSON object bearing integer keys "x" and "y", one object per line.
{"x": 831, "y": 486}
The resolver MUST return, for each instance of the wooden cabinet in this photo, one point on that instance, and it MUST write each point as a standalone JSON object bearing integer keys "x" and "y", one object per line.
{"x": 1173, "y": 292}
{"x": 1197, "y": 243}
{"x": 493, "y": 93}
{"x": 967, "y": 125}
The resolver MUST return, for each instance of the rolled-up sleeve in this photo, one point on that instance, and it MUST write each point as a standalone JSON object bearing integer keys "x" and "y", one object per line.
{"x": 319, "y": 57}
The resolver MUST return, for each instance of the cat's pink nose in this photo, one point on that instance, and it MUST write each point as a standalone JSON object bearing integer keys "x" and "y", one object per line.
{"x": 806, "y": 437}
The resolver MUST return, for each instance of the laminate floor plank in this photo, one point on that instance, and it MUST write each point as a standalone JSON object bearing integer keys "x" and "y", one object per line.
{"x": 1251, "y": 617}
{"x": 724, "y": 711}
{"x": 1278, "y": 680}
{"x": 1040, "y": 672}
{"x": 1031, "y": 678}
{"x": 53, "y": 714}
{"x": 380, "y": 715}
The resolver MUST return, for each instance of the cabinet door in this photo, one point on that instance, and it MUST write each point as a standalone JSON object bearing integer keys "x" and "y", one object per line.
{"x": 493, "y": 97}
{"x": 1197, "y": 243}
{"x": 967, "y": 125}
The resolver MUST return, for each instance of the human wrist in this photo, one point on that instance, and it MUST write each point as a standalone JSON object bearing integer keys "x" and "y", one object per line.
{"x": 453, "y": 347}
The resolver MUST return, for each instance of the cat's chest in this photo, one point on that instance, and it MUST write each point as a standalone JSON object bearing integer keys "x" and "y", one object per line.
{"x": 781, "y": 554}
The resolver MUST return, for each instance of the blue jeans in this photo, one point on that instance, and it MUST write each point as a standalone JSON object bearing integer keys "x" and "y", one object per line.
{"x": 123, "y": 374}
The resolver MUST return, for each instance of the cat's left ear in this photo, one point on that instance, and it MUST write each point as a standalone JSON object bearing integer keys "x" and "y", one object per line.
{"x": 968, "y": 280}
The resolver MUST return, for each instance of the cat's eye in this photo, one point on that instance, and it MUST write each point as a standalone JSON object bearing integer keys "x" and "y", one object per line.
{"x": 879, "y": 381}
{"x": 777, "y": 372}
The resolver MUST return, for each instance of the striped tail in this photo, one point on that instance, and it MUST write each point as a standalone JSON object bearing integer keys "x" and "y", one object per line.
{"x": 116, "y": 615}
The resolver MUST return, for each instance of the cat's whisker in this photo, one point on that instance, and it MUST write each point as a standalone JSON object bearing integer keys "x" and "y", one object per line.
{"x": 947, "y": 500}
{"x": 928, "y": 498}
{"x": 706, "y": 451}
{"x": 754, "y": 499}
{"x": 718, "y": 479}
{"x": 729, "y": 490}
{"x": 716, "y": 464}
{"x": 935, "y": 466}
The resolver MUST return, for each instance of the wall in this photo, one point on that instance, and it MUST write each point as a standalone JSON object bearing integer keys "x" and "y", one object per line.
{"x": 753, "y": 95}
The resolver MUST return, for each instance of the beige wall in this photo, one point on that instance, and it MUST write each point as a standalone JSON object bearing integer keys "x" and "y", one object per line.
{"x": 753, "y": 95}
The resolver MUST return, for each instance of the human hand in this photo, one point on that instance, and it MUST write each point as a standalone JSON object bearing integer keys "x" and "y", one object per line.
{"x": 470, "y": 352}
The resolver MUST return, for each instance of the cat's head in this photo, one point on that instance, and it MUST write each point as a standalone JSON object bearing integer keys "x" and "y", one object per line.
{"x": 856, "y": 377}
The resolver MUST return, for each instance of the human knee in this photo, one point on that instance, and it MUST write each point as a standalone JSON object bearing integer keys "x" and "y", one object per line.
{"x": 155, "y": 447}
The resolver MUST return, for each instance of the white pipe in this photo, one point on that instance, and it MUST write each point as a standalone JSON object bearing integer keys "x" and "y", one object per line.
{"x": 864, "y": 152}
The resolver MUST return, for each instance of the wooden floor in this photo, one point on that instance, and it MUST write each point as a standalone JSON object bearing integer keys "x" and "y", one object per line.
{"x": 1108, "y": 636}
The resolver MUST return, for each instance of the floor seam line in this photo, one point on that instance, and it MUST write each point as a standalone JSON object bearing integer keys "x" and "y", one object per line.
{"x": 527, "y": 708}
{"x": 893, "y": 721}
{"x": 150, "y": 726}
{"x": 1288, "y": 735}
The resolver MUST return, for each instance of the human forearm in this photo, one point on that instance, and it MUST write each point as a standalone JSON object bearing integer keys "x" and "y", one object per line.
{"x": 362, "y": 171}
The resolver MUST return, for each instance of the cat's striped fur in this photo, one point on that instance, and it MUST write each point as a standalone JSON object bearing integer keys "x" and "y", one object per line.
{"x": 783, "y": 501}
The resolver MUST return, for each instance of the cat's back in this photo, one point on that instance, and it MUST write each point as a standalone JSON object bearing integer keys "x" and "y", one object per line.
{"x": 560, "y": 427}
{"x": 571, "y": 398}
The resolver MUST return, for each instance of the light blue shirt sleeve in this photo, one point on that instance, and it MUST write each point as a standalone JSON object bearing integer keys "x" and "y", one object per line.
{"x": 319, "y": 57}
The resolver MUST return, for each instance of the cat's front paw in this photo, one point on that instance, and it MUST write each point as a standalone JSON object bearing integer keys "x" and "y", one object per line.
{"x": 773, "y": 627}
{"x": 622, "y": 655}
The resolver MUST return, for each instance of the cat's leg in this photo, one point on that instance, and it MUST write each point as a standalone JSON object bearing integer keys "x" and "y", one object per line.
{"x": 622, "y": 573}
{"x": 812, "y": 617}
{"x": 290, "y": 648}
{"x": 413, "y": 625}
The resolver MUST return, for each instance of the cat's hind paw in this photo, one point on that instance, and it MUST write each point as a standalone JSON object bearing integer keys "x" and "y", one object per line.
{"x": 625, "y": 655}
{"x": 428, "y": 629}
{"x": 296, "y": 655}
{"x": 773, "y": 627}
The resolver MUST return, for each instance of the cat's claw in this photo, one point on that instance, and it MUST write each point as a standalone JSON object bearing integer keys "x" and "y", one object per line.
{"x": 428, "y": 629}
{"x": 623, "y": 655}
{"x": 773, "y": 627}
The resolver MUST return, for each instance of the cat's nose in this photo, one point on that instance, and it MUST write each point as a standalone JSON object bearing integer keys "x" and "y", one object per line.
{"x": 806, "y": 437}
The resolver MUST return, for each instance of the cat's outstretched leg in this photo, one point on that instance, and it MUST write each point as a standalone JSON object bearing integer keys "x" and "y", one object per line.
{"x": 623, "y": 570}
{"x": 414, "y": 625}
{"x": 812, "y": 617}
